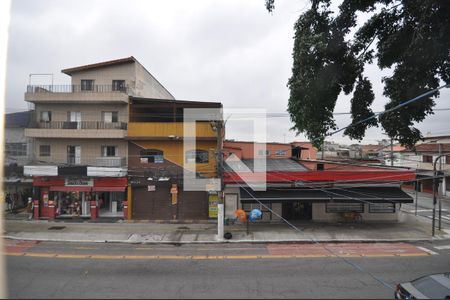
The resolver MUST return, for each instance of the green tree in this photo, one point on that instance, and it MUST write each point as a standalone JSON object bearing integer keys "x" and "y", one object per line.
{"x": 409, "y": 36}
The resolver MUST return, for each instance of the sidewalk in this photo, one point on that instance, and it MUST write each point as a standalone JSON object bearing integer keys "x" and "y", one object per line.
{"x": 409, "y": 229}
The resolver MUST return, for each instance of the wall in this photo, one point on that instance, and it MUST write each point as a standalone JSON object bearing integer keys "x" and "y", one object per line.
{"x": 90, "y": 149}
{"x": 247, "y": 149}
{"x": 309, "y": 153}
{"x": 173, "y": 152}
{"x": 148, "y": 86}
{"x": 16, "y": 135}
{"x": 89, "y": 112}
{"x": 105, "y": 75}
{"x": 319, "y": 214}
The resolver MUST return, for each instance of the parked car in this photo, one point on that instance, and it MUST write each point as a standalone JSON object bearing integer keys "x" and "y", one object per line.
{"x": 433, "y": 286}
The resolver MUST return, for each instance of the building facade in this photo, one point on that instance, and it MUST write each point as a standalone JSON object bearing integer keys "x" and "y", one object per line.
{"x": 157, "y": 161}
{"x": 79, "y": 130}
{"x": 18, "y": 152}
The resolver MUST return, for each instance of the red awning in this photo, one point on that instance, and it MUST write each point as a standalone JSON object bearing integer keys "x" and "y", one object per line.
{"x": 108, "y": 188}
{"x": 70, "y": 188}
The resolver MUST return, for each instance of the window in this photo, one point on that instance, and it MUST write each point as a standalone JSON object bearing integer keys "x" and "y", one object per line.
{"x": 74, "y": 155}
{"x": 118, "y": 85}
{"x": 382, "y": 207}
{"x": 280, "y": 152}
{"x": 87, "y": 84}
{"x": 110, "y": 116}
{"x": 427, "y": 159}
{"x": 16, "y": 149}
{"x": 44, "y": 150}
{"x": 261, "y": 152}
{"x": 344, "y": 207}
{"x": 109, "y": 151}
{"x": 447, "y": 159}
{"x": 197, "y": 156}
{"x": 152, "y": 156}
{"x": 46, "y": 116}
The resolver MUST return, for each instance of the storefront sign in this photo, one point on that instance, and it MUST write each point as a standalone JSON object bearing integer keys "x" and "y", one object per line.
{"x": 159, "y": 159}
{"x": 144, "y": 160}
{"x": 213, "y": 201}
{"x": 151, "y": 188}
{"x": 79, "y": 182}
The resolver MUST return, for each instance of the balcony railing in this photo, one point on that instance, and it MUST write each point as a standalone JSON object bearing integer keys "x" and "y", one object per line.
{"x": 80, "y": 125}
{"x": 96, "y": 88}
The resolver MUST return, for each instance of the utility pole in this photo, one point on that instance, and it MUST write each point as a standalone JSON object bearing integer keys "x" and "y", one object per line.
{"x": 392, "y": 152}
{"x": 434, "y": 196}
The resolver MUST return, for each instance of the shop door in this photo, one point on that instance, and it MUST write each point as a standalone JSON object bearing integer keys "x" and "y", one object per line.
{"x": 297, "y": 210}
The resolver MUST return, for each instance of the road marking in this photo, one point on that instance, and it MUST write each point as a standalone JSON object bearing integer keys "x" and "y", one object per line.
{"x": 205, "y": 257}
{"x": 428, "y": 250}
{"x": 442, "y": 247}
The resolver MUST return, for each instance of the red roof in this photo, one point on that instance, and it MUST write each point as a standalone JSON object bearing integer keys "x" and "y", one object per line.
{"x": 429, "y": 147}
{"x": 69, "y": 71}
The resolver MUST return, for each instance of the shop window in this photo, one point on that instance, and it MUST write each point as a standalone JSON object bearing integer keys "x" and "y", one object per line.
{"x": 44, "y": 150}
{"x": 110, "y": 116}
{"x": 87, "y": 84}
{"x": 151, "y": 156}
{"x": 197, "y": 156}
{"x": 427, "y": 159}
{"x": 108, "y": 151}
{"x": 344, "y": 207}
{"x": 46, "y": 116}
{"x": 382, "y": 208}
{"x": 118, "y": 85}
{"x": 16, "y": 149}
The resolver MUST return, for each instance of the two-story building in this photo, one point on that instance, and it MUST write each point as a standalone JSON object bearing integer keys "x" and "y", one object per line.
{"x": 80, "y": 151}
{"x": 157, "y": 160}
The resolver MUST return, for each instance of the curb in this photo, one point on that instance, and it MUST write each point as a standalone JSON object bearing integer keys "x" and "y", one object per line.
{"x": 294, "y": 241}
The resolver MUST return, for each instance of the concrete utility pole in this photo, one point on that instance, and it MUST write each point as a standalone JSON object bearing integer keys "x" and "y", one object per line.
{"x": 392, "y": 152}
{"x": 434, "y": 197}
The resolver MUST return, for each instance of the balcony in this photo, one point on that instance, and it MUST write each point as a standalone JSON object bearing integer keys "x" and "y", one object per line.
{"x": 83, "y": 129}
{"x": 110, "y": 161}
{"x": 166, "y": 130}
{"x": 76, "y": 93}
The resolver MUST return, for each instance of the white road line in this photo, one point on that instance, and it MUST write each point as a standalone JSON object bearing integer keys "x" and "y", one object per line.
{"x": 428, "y": 250}
{"x": 442, "y": 247}
{"x": 444, "y": 217}
{"x": 424, "y": 210}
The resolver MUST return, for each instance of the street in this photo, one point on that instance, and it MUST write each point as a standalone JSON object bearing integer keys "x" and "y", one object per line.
{"x": 425, "y": 208}
{"x": 87, "y": 270}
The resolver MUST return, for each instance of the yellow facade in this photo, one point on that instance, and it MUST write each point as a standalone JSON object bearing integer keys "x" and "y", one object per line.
{"x": 173, "y": 152}
{"x": 166, "y": 130}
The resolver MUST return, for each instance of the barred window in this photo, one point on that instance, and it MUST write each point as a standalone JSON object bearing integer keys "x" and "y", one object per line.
{"x": 382, "y": 207}
{"x": 16, "y": 149}
{"x": 197, "y": 156}
{"x": 344, "y": 207}
{"x": 44, "y": 150}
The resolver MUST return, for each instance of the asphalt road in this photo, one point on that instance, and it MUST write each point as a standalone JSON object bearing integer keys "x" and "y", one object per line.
{"x": 189, "y": 271}
{"x": 425, "y": 208}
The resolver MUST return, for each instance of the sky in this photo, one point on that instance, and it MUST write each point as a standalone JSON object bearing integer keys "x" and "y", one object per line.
{"x": 230, "y": 51}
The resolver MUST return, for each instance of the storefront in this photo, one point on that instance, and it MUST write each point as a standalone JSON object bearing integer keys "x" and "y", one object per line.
{"x": 72, "y": 196}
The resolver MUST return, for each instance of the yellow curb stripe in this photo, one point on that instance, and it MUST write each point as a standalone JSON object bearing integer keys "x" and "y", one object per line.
{"x": 202, "y": 257}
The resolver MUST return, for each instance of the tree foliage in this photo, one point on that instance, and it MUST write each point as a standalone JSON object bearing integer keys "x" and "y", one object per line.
{"x": 409, "y": 36}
